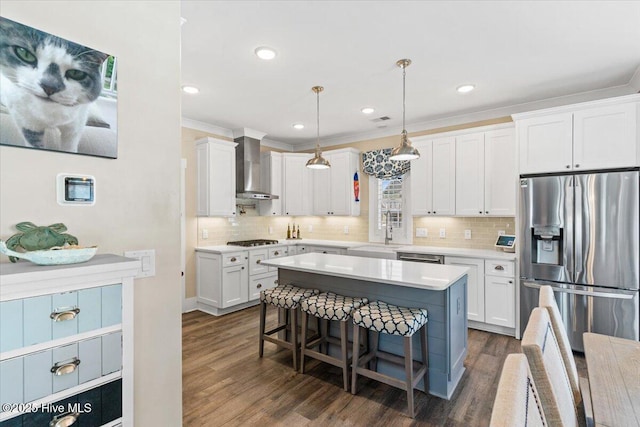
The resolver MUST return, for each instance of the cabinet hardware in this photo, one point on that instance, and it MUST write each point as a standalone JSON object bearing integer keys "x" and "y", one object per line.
{"x": 259, "y": 285}
{"x": 61, "y": 316}
{"x": 276, "y": 253}
{"x": 510, "y": 281}
{"x": 324, "y": 252}
{"x": 429, "y": 212}
{"x": 65, "y": 368}
{"x": 487, "y": 212}
{"x": 434, "y": 212}
{"x": 233, "y": 259}
{"x": 480, "y": 212}
{"x": 275, "y": 281}
{"x": 257, "y": 261}
{"x": 243, "y": 268}
{"x": 499, "y": 268}
{"x": 568, "y": 166}
{"x": 577, "y": 165}
{"x": 64, "y": 420}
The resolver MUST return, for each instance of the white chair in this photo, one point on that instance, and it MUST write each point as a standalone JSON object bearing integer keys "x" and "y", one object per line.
{"x": 517, "y": 401}
{"x": 579, "y": 386}
{"x": 540, "y": 345}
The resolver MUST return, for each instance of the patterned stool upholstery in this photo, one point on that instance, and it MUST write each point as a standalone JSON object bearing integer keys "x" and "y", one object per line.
{"x": 382, "y": 317}
{"x": 328, "y": 306}
{"x": 331, "y": 306}
{"x": 390, "y": 319}
{"x": 286, "y": 297}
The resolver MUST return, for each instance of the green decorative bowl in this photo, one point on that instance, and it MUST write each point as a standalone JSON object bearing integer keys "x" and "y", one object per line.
{"x": 54, "y": 256}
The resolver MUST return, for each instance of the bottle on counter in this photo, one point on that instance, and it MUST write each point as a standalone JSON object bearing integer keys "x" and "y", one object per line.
{"x": 298, "y": 233}
{"x": 288, "y": 231}
{"x": 293, "y": 232}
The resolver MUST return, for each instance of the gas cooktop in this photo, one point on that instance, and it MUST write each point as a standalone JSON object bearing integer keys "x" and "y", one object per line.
{"x": 256, "y": 242}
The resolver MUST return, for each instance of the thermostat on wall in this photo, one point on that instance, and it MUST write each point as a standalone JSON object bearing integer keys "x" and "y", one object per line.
{"x": 76, "y": 189}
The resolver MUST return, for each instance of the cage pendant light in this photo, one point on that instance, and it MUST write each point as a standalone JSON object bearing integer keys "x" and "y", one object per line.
{"x": 404, "y": 151}
{"x": 318, "y": 162}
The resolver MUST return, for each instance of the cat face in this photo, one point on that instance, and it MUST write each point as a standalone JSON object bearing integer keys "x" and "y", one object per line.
{"x": 49, "y": 68}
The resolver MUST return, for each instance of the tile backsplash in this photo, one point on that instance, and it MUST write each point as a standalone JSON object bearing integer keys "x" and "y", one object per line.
{"x": 484, "y": 230}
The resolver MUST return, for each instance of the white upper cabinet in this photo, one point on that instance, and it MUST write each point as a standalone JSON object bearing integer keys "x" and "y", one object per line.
{"x": 433, "y": 177}
{"x": 271, "y": 182}
{"x": 594, "y": 135}
{"x": 470, "y": 170}
{"x": 606, "y": 137}
{"x": 297, "y": 186}
{"x": 333, "y": 188}
{"x": 486, "y": 173}
{"x": 216, "y": 177}
{"x": 500, "y": 172}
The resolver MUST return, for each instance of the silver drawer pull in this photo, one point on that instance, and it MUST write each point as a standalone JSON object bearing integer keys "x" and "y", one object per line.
{"x": 234, "y": 259}
{"x": 61, "y": 316}
{"x": 258, "y": 261}
{"x": 64, "y": 420}
{"x": 499, "y": 268}
{"x": 276, "y": 253}
{"x": 65, "y": 368}
{"x": 259, "y": 285}
{"x": 275, "y": 281}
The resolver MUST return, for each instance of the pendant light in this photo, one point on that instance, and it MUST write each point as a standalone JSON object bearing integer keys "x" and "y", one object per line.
{"x": 404, "y": 151}
{"x": 318, "y": 162}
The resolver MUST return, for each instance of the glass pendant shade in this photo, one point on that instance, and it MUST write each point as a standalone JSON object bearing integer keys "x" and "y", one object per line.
{"x": 404, "y": 151}
{"x": 318, "y": 162}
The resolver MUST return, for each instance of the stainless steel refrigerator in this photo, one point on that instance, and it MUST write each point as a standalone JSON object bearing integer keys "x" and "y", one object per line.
{"x": 580, "y": 234}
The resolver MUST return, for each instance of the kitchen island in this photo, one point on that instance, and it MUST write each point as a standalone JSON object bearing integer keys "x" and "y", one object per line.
{"x": 441, "y": 289}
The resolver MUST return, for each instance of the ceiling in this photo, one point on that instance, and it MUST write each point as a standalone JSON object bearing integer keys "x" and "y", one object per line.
{"x": 516, "y": 53}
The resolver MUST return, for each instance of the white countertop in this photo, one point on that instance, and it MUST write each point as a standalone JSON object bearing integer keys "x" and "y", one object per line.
{"x": 402, "y": 273}
{"x": 432, "y": 250}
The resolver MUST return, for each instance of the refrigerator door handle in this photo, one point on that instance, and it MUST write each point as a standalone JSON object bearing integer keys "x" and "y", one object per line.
{"x": 569, "y": 216}
{"x": 578, "y": 235}
{"x": 556, "y": 288}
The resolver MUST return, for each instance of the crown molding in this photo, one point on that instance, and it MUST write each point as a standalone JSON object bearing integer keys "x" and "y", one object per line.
{"x": 251, "y": 133}
{"x": 635, "y": 80}
{"x": 276, "y": 144}
{"x": 206, "y": 127}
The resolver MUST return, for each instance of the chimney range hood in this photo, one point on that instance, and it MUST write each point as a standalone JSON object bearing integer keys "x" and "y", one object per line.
{"x": 248, "y": 165}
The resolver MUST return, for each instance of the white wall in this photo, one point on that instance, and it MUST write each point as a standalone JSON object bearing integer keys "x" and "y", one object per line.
{"x": 138, "y": 194}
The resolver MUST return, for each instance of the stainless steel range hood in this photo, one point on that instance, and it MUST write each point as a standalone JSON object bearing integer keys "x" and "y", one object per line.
{"x": 248, "y": 165}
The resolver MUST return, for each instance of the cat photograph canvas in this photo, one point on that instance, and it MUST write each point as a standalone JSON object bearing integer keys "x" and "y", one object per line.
{"x": 55, "y": 94}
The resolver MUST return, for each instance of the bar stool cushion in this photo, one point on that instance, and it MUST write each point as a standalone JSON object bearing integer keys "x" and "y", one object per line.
{"x": 286, "y": 296}
{"x": 330, "y": 306}
{"x": 390, "y": 319}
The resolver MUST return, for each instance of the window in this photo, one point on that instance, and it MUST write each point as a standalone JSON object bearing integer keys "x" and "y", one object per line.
{"x": 388, "y": 203}
{"x": 109, "y": 75}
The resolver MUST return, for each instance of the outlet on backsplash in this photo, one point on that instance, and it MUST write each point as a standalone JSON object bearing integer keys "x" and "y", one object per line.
{"x": 205, "y": 233}
{"x": 467, "y": 234}
{"x": 443, "y": 233}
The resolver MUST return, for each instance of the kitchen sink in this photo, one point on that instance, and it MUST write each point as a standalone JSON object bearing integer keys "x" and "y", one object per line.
{"x": 374, "y": 251}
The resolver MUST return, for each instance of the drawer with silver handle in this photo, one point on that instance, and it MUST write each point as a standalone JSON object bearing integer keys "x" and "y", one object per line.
{"x": 36, "y": 320}
{"x": 499, "y": 268}
{"x": 37, "y": 375}
{"x": 235, "y": 258}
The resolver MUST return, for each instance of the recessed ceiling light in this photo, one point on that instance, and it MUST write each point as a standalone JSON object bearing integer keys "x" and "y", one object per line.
{"x": 367, "y": 110}
{"x": 190, "y": 89}
{"x": 465, "y": 88}
{"x": 265, "y": 53}
{"x": 298, "y": 126}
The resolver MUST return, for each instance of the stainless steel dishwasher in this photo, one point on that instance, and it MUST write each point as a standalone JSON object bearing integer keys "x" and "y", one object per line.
{"x": 427, "y": 258}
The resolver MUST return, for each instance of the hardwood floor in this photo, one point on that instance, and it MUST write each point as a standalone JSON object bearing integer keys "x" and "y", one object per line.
{"x": 226, "y": 383}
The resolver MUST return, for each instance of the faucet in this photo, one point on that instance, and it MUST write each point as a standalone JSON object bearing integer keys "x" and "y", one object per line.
{"x": 388, "y": 230}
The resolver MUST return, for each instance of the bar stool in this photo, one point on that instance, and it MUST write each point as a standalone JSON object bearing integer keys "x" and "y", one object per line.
{"x": 286, "y": 297}
{"x": 379, "y": 316}
{"x": 329, "y": 306}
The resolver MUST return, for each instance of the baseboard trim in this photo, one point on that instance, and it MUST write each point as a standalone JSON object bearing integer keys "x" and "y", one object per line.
{"x": 190, "y": 304}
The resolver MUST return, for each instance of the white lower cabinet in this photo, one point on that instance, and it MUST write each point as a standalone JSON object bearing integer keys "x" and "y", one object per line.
{"x": 234, "y": 289}
{"x": 324, "y": 250}
{"x": 475, "y": 285}
{"x": 260, "y": 283}
{"x": 490, "y": 293}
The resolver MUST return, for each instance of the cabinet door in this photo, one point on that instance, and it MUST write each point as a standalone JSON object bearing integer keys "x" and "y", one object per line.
{"x": 322, "y": 202}
{"x": 545, "y": 143}
{"x": 444, "y": 176}
{"x": 606, "y": 137}
{"x": 271, "y": 182}
{"x": 341, "y": 184}
{"x": 297, "y": 185}
{"x": 500, "y": 179}
{"x": 11, "y": 325}
{"x": 500, "y": 301}
{"x": 421, "y": 176}
{"x": 256, "y": 256}
{"x": 234, "y": 286}
{"x": 470, "y": 174}
{"x": 475, "y": 285}
{"x": 259, "y": 283}
{"x": 216, "y": 178}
